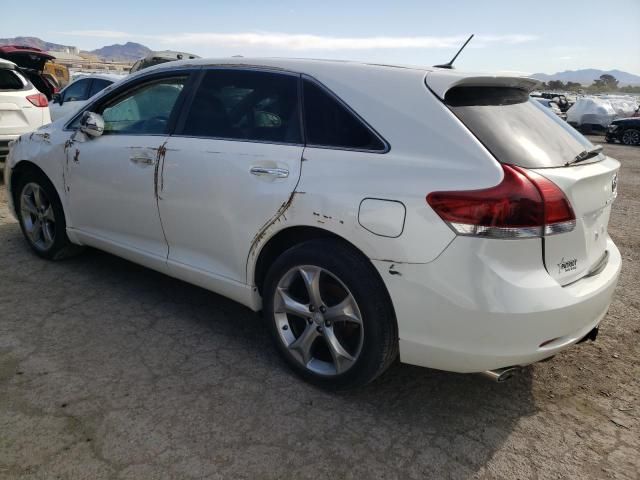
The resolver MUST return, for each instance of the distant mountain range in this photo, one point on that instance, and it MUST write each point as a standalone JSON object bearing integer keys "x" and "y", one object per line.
{"x": 586, "y": 76}
{"x": 130, "y": 51}
{"x": 34, "y": 42}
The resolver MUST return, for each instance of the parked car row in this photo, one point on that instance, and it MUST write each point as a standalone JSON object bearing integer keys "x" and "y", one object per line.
{"x": 596, "y": 113}
{"x": 27, "y": 71}
{"x": 469, "y": 236}
{"x": 552, "y": 105}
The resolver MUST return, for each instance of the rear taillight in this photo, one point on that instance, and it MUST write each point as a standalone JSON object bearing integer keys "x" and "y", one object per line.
{"x": 39, "y": 100}
{"x": 523, "y": 205}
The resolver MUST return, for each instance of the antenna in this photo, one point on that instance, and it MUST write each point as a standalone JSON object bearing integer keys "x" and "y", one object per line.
{"x": 450, "y": 64}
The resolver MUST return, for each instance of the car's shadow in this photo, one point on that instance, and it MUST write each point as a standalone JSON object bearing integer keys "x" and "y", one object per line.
{"x": 415, "y": 421}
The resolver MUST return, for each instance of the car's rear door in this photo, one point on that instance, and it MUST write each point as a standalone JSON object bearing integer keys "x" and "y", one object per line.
{"x": 232, "y": 164}
{"x": 111, "y": 179}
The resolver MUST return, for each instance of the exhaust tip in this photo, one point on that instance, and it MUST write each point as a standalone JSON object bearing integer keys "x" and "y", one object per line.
{"x": 500, "y": 375}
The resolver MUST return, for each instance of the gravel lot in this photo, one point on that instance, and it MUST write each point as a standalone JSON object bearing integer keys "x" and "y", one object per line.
{"x": 110, "y": 370}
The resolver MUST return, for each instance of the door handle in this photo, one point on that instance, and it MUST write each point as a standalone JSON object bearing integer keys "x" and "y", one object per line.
{"x": 142, "y": 160}
{"x": 272, "y": 172}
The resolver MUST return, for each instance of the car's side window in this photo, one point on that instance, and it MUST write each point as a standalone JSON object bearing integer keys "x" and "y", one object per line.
{"x": 11, "y": 80}
{"x": 329, "y": 123}
{"x": 98, "y": 85}
{"x": 245, "y": 105}
{"x": 76, "y": 91}
{"x": 146, "y": 109}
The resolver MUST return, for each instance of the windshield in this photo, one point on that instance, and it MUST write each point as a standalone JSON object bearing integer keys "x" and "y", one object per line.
{"x": 516, "y": 129}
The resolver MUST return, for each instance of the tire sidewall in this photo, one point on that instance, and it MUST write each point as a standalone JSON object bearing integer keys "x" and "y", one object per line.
{"x": 631, "y": 132}
{"x": 369, "y": 293}
{"x": 61, "y": 240}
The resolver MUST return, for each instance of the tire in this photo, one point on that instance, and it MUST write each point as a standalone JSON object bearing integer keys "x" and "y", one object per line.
{"x": 350, "y": 306}
{"x": 586, "y": 128}
{"x": 41, "y": 216}
{"x": 631, "y": 136}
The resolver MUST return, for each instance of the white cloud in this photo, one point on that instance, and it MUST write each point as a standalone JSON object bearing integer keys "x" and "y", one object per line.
{"x": 301, "y": 42}
{"x": 98, "y": 34}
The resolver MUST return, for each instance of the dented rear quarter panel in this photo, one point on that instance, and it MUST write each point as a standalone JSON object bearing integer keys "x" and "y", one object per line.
{"x": 425, "y": 155}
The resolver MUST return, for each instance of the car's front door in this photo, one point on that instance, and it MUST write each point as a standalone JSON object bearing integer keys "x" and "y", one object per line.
{"x": 111, "y": 179}
{"x": 231, "y": 165}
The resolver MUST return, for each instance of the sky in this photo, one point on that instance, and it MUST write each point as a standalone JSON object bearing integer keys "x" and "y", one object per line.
{"x": 511, "y": 36}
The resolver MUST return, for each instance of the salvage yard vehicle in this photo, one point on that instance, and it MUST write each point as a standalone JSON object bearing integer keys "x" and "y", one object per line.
{"x": 78, "y": 93}
{"x": 367, "y": 210}
{"x": 156, "y": 58}
{"x": 560, "y": 99}
{"x": 625, "y": 130}
{"x": 553, "y": 106}
{"x": 31, "y": 62}
{"x": 58, "y": 71}
{"x": 22, "y": 107}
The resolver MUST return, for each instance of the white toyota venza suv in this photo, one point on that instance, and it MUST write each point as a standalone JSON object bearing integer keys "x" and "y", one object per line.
{"x": 367, "y": 210}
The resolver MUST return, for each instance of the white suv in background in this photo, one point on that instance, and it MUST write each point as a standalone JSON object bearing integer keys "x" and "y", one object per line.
{"x": 22, "y": 107}
{"x": 367, "y": 210}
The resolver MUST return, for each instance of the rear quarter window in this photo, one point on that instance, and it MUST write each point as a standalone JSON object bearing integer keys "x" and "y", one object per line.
{"x": 329, "y": 123}
{"x": 516, "y": 129}
{"x": 11, "y": 80}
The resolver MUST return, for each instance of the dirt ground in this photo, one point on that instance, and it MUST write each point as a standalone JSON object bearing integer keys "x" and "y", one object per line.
{"x": 110, "y": 370}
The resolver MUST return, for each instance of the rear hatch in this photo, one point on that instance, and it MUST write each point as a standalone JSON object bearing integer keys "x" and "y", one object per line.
{"x": 522, "y": 132}
{"x": 26, "y": 58}
{"x": 13, "y": 88}
{"x": 31, "y": 62}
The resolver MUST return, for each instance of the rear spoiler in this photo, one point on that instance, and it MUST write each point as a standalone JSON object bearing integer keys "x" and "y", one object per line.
{"x": 439, "y": 82}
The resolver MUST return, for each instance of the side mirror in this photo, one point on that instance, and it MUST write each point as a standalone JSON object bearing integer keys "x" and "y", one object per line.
{"x": 92, "y": 124}
{"x": 57, "y": 98}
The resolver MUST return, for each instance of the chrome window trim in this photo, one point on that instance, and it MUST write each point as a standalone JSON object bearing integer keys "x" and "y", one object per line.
{"x": 243, "y": 140}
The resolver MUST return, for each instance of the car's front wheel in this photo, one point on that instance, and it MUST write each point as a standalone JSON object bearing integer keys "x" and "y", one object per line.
{"x": 41, "y": 217}
{"x": 330, "y": 314}
{"x": 631, "y": 137}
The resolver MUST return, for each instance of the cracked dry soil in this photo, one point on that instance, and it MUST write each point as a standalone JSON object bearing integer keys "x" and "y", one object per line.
{"x": 112, "y": 371}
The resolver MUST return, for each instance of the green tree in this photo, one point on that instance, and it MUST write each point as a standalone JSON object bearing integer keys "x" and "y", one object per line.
{"x": 630, "y": 89}
{"x": 573, "y": 86}
{"x": 556, "y": 85}
{"x": 606, "y": 83}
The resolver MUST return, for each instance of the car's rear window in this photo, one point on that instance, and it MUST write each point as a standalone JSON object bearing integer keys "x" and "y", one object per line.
{"x": 514, "y": 128}
{"x": 11, "y": 80}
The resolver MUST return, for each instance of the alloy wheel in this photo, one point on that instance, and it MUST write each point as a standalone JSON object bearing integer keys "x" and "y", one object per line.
{"x": 318, "y": 320}
{"x": 631, "y": 137}
{"x": 37, "y": 216}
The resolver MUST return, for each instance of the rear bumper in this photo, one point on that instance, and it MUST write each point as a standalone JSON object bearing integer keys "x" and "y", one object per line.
{"x": 488, "y": 304}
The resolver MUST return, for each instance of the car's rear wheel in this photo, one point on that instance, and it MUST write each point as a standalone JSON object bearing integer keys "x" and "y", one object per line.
{"x": 330, "y": 314}
{"x": 631, "y": 137}
{"x": 41, "y": 217}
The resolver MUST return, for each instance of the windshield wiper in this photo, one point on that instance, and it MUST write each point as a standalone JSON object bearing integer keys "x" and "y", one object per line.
{"x": 585, "y": 155}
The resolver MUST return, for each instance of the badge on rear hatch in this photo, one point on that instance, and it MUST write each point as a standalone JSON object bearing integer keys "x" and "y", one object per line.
{"x": 566, "y": 266}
